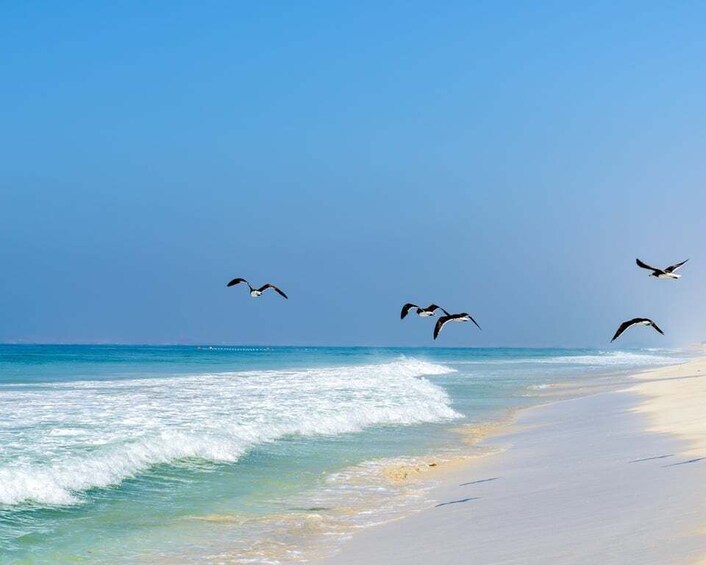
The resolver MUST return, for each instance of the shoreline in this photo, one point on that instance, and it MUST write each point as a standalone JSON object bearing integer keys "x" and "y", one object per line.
{"x": 393, "y": 489}
{"x": 268, "y": 509}
{"x": 408, "y": 479}
{"x": 594, "y": 466}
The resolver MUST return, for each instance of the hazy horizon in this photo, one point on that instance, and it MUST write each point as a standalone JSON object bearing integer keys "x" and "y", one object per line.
{"x": 508, "y": 160}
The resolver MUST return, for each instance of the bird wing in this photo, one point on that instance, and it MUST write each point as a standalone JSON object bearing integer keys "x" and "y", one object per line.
{"x": 476, "y": 323}
{"x": 434, "y": 308}
{"x": 406, "y": 308}
{"x": 673, "y": 268}
{"x": 440, "y": 323}
{"x": 624, "y": 326}
{"x": 238, "y": 281}
{"x": 655, "y": 326}
{"x": 264, "y": 287}
{"x": 646, "y": 266}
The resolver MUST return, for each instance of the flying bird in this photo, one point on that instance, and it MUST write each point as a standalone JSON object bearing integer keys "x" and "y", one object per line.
{"x": 666, "y": 273}
{"x": 462, "y": 317}
{"x": 423, "y": 312}
{"x": 255, "y": 292}
{"x": 635, "y": 321}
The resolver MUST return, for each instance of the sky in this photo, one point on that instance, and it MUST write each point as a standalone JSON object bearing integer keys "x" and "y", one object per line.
{"x": 507, "y": 159}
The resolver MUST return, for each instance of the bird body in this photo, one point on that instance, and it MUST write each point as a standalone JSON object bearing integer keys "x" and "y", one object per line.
{"x": 634, "y": 322}
{"x": 256, "y": 292}
{"x": 666, "y": 273}
{"x": 462, "y": 317}
{"x": 427, "y": 312}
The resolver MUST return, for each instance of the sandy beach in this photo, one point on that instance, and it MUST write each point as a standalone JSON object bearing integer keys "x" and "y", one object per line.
{"x": 614, "y": 476}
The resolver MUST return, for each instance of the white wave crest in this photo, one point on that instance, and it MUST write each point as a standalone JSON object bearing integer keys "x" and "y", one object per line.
{"x": 61, "y": 439}
{"x": 627, "y": 359}
{"x": 611, "y": 358}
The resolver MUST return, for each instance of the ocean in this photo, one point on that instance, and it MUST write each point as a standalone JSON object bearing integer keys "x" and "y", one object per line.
{"x": 185, "y": 454}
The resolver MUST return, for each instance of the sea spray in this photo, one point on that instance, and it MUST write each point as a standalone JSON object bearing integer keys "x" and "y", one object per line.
{"x": 61, "y": 439}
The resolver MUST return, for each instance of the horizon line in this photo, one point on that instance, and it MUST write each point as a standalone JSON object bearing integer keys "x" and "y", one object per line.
{"x": 319, "y": 346}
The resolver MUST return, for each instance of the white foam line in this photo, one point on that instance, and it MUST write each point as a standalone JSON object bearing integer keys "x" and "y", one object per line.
{"x": 61, "y": 439}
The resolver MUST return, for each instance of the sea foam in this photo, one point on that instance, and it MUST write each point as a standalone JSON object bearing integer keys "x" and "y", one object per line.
{"x": 59, "y": 440}
{"x": 597, "y": 359}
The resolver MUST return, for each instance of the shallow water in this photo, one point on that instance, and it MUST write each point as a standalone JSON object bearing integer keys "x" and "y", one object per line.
{"x": 143, "y": 454}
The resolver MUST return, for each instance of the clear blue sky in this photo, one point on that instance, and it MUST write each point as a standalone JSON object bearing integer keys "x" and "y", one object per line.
{"x": 510, "y": 159}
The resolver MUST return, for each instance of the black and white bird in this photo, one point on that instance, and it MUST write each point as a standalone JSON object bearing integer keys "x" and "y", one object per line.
{"x": 462, "y": 317}
{"x": 666, "y": 273}
{"x": 423, "y": 312}
{"x": 634, "y": 322}
{"x": 255, "y": 292}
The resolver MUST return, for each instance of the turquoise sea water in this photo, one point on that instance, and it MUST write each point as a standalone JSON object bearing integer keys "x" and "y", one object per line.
{"x": 224, "y": 454}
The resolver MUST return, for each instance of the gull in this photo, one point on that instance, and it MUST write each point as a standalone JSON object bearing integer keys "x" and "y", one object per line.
{"x": 255, "y": 292}
{"x": 423, "y": 312}
{"x": 635, "y": 321}
{"x": 462, "y": 317}
{"x": 666, "y": 273}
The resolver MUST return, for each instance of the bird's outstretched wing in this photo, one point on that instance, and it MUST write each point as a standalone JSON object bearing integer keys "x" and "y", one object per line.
{"x": 646, "y": 266}
{"x": 476, "y": 323}
{"x": 440, "y": 323}
{"x": 406, "y": 308}
{"x": 655, "y": 326}
{"x": 625, "y": 325}
{"x": 264, "y": 287}
{"x": 434, "y": 308}
{"x": 673, "y": 268}
{"x": 238, "y": 281}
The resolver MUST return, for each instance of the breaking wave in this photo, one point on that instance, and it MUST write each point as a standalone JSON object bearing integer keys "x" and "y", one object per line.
{"x": 61, "y": 439}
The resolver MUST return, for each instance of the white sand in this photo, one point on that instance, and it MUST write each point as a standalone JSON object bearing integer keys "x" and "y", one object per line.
{"x": 675, "y": 402}
{"x": 609, "y": 478}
